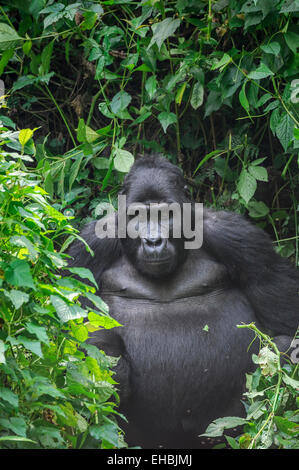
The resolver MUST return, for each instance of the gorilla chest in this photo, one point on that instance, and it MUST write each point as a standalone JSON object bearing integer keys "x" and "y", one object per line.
{"x": 196, "y": 305}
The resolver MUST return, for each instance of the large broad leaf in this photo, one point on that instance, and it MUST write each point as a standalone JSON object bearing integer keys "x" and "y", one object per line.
{"x": 123, "y": 160}
{"x": 9, "y": 38}
{"x": 162, "y": 31}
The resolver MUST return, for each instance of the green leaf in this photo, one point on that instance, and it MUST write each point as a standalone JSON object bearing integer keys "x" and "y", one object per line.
{"x": 123, "y": 160}
{"x": 289, "y": 381}
{"x": 120, "y": 102}
{"x": 80, "y": 332}
{"x": 102, "y": 321}
{"x": 30, "y": 344}
{"x": 25, "y": 135}
{"x": 151, "y": 86}
{"x": 65, "y": 311}
{"x": 21, "y": 240}
{"x": 271, "y": 48}
{"x": 84, "y": 274}
{"x": 5, "y": 58}
{"x": 15, "y": 424}
{"x": 284, "y": 130}
{"x": 166, "y": 119}
{"x": 9, "y": 396}
{"x": 107, "y": 432}
{"x": 46, "y": 58}
{"x": 292, "y": 40}
{"x": 18, "y": 274}
{"x": 197, "y": 95}
{"x": 263, "y": 99}
{"x": 257, "y": 209}
{"x": 17, "y": 297}
{"x": 39, "y": 331}
{"x": 101, "y": 163}
{"x": 261, "y": 72}
{"x": 258, "y": 172}
{"x": 286, "y": 426}
{"x": 246, "y": 185}
{"x": 162, "y": 31}
{"x": 222, "y": 63}
{"x": 98, "y": 302}
{"x": 243, "y": 99}
{"x": 9, "y": 38}
{"x": 217, "y": 427}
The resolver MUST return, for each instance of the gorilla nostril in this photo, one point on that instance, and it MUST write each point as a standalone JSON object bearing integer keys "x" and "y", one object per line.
{"x": 153, "y": 242}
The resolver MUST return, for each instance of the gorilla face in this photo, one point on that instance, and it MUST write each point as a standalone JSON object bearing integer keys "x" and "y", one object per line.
{"x": 152, "y": 253}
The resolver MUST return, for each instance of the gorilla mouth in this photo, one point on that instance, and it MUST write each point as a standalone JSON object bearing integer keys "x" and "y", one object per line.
{"x": 157, "y": 261}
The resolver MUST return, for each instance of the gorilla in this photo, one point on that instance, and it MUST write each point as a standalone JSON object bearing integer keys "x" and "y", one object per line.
{"x": 182, "y": 358}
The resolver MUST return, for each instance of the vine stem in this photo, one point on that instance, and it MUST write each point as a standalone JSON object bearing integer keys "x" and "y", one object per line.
{"x": 61, "y": 114}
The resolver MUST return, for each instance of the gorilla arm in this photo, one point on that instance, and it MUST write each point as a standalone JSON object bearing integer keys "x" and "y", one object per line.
{"x": 269, "y": 281}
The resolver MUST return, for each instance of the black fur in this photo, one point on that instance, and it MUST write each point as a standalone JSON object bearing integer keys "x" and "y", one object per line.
{"x": 175, "y": 376}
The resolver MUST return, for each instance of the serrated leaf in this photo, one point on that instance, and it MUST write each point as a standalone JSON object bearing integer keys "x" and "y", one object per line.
{"x": 197, "y": 95}
{"x": 18, "y": 274}
{"x": 284, "y": 130}
{"x": 123, "y": 160}
{"x": 246, "y": 186}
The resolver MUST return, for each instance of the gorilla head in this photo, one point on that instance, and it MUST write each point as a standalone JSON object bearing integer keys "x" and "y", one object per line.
{"x": 154, "y": 254}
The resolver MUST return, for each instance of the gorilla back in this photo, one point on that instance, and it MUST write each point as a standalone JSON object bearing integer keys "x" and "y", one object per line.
{"x": 183, "y": 359}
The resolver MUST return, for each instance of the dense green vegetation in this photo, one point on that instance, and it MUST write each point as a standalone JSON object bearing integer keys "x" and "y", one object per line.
{"x": 89, "y": 86}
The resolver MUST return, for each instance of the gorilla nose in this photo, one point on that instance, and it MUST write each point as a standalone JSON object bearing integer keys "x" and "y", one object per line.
{"x": 154, "y": 245}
